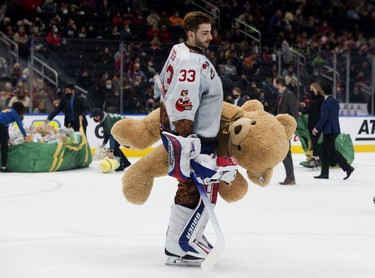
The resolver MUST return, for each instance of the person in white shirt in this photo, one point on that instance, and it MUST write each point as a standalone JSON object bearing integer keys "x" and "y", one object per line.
{"x": 191, "y": 102}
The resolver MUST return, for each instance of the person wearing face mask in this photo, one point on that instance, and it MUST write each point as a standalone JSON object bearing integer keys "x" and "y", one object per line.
{"x": 74, "y": 108}
{"x": 107, "y": 120}
{"x": 237, "y": 99}
{"x": 7, "y": 117}
{"x": 53, "y": 39}
{"x": 112, "y": 97}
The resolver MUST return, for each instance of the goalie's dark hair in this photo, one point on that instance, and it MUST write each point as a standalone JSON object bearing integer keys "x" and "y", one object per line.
{"x": 19, "y": 107}
{"x": 192, "y": 21}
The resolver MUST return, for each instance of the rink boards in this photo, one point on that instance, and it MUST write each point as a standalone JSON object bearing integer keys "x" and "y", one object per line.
{"x": 360, "y": 128}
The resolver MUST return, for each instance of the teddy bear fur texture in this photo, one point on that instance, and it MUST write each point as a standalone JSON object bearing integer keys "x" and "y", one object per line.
{"x": 258, "y": 140}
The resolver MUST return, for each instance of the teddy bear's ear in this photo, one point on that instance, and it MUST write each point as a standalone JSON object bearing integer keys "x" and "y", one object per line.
{"x": 252, "y": 105}
{"x": 230, "y": 112}
{"x": 289, "y": 124}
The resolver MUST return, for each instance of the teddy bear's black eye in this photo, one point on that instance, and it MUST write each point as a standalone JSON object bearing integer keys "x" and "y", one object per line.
{"x": 253, "y": 123}
{"x": 237, "y": 129}
{"x": 239, "y": 147}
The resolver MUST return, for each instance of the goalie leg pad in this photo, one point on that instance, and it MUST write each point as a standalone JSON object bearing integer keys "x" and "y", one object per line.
{"x": 185, "y": 233}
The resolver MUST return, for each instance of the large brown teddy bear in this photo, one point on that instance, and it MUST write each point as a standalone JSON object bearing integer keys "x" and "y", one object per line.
{"x": 258, "y": 140}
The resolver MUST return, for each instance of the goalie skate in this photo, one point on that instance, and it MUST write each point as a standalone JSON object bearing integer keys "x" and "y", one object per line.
{"x": 186, "y": 260}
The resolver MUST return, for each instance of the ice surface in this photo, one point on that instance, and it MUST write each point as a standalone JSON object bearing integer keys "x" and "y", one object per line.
{"x": 77, "y": 224}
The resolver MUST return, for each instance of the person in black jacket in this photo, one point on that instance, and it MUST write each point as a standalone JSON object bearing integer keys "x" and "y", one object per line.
{"x": 329, "y": 125}
{"x": 74, "y": 108}
{"x": 316, "y": 100}
{"x": 286, "y": 104}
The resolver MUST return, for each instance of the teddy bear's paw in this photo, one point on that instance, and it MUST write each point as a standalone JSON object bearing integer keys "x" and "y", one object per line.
{"x": 234, "y": 192}
{"x": 135, "y": 188}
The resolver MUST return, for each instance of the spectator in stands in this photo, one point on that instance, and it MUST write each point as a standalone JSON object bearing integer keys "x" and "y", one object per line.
{"x": 357, "y": 96}
{"x": 70, "y": 30}
{"x": 15, "y": 73}
{"x": 135, "y": 71}
{"x": 112, "y": 97}
{"x": 105, "y": 59}
{"x": 21, "y": 96}
{"x": 114, "y": 33}
{"x": 74, "y": 108}
{"x": 230, "y": 69}
{"x": 150, "y": 71}
{"x": 237, "y": 36}
{"x": 85, "y": 80}
{"x": 117, "y": 19}
{"x": 138, "y": 19}
{"x": 151, "y": 102}
{"x": 164, "y": 35}
{"x": 175, "y": 19}
{"x": 140, "y": 86}
{"x": 164, "y": 19}
{"x": 153, "y": 32}
{"x": 41, "y": 108}
{"x": 288, "y": 74}
{"x": 243, "y": 83}
{"x": 211, "y": 55}
{"x": 225, "y": 80}
{"x": 237, "y": 99}
{"x": 91, "y": 32}
{"x": 286, "y": 54}
{"x": 153, "y": 18}
{"x": 276, "y": 21}
{"x": 82, "y": 33}
{"x": 49, "y": 6}
{"x": 216, "y": 38}
{"x": 155, "y": 46}
{"x": 6, "y": 27}
{"x": 20, "y": 37}
{"x": 6, "y": 95}
{"x": 53, "y": 39}
{"x": 105, "y": 8}
{"x": 126, "y": 34}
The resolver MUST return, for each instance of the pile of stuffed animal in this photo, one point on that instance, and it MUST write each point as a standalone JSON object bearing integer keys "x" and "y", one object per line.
{"x": 45, "y": 134}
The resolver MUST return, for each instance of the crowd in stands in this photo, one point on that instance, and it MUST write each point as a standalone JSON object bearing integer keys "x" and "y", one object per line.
{"x": 91, "y": 41}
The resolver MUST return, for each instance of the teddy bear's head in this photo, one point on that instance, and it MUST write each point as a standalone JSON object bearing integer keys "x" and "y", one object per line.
{"x": 260, "y": 141}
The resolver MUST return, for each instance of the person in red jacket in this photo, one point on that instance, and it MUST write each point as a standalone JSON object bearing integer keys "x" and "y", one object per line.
{"x": 54, "y": 37}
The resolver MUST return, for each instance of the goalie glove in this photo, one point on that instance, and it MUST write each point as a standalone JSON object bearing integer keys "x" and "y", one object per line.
{"x": 208, "y": 169}
{"x": 180, "y": 151}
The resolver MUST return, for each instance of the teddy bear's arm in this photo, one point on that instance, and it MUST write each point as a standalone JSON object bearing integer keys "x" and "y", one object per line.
{"x": 138, "y": 134}
{"x": 137, "y": 181}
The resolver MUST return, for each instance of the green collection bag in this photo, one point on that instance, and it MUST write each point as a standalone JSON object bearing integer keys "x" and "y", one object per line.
{"x": 42, "y": 157}
{"x": 344, "y": 143}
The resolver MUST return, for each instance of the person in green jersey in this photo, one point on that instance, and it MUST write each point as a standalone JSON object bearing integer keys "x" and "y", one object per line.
{"x": 107, "y": 120}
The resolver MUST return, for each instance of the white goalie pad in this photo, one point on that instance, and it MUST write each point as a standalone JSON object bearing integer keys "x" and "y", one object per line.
{"x": 180, "y": 151}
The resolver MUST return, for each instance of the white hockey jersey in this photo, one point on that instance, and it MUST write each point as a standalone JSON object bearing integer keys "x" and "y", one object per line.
{"x": 191, "y": 90}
